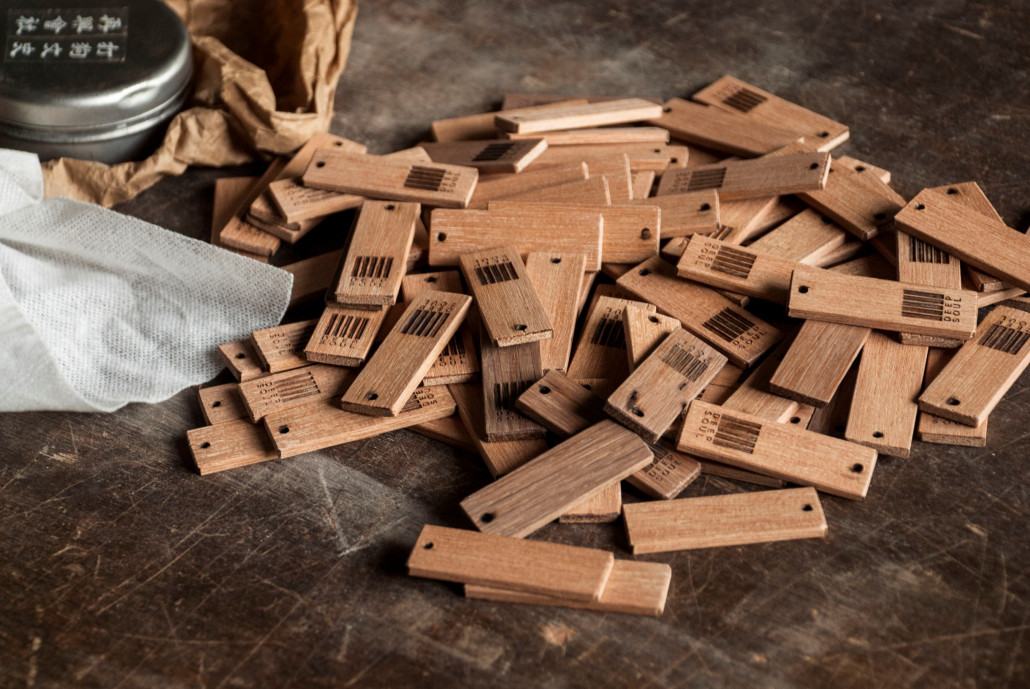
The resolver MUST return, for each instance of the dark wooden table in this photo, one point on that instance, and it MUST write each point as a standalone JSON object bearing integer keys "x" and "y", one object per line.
{"x": 121, "y": 567}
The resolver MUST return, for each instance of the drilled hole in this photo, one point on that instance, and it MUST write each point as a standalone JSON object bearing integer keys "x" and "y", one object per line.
{"x": 813, "y": 166}
{"x": 657, "y": 150}
{"x": 645, "y": 271}
{"x": 674, "y": 160}
{"x": 645, "y": 233}
{"x": 338, "y": 143}
{"x": 860, "y": 168}
{"x": 544, "y": 390}
{"x": 920, "y": 207}
{"x": 953, "y": 402}
{"x": 877, "y": 434}
{"x": 216, "y": 403}
{"x": 241, "y": 355}
{"x": 320, "y": 163}
{"x": 428, "y": 546}
{"x": 204, "y": 445}
{"x": 952, "y": 190}
{"x": 880, "y": 216}
{"x": 858, "y": 468}
{"x": 487, "y": 517}
{"x": 807, "y": 508}
{"x": 638, "y": 412}
{"x": 587, "y": 386}
{"x": 521, "y": 327}
{"x": 823, "y": 135}
{"x": 372, "y": 396}
{"x": 706, "y": 207}
{"x": 803, "y": 289}
{"x": 391, "y": 207}
{"x": 653, "y": 319}
{"x": 795, "y": 419}
{"x": 284, "y": 429}
{"x": 441, "y": 236}
{"x": 555, "y": 260}
{"x": 431, "y": 279}
{"x": 666, "y": 109}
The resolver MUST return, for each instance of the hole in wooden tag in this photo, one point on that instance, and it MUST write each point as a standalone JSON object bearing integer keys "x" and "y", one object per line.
{"x": 823, "y": 135}
{"x": 645, "y": 233}
{"x": 284, "y": 429}
{"x": 441, "y": 236}
{"x": 803, "y": 289}
{"x": 320, "y": 163}
{"x": 795, "y": 419}
{"x": 519, "y": 326}
{"x": 645, "y": 271}
{"x": 391, "y": 207}
{"x": 204, "y": 445}
{"x": 555, "y": 260}
{"x": 877, "y": 434}
{"x": 953, "y": 402}
{"x": 431, "y": 278}
{"x": 544, "y": 390}
{"x": 587, "y": 386}
{"x": 706, "y": 207}
{"x": 241, "y": 355}
{"x": 487, "y": 517}
{"x": 372, "y": 396}
{"x": 920, "y": 207}
{"x": 428, "y": 546}
{"x": 857, "y": 468}
{"x": 860, "y": 168}
{"x": 216, "y": 403}
{"x": 952, "y": 190}
{"x": 653, "y": 319}
{"x": 807, "y": 508}
{"x": 813, "y": 166}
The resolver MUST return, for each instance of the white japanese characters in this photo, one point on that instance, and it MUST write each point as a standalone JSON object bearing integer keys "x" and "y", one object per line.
{"x": 98, "y": 35}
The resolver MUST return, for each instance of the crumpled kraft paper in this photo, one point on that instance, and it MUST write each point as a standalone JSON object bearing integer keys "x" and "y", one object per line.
{"x": 265, "y": 77}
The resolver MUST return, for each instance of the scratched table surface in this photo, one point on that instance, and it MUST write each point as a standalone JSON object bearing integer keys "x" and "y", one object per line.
{"x": 121, "y": 567}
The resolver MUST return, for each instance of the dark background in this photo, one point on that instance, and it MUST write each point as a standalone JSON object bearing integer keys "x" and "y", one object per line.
{"x": 121, "y": 567}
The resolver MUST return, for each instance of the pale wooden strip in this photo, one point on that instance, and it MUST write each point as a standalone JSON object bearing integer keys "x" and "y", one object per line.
{"x": 499, "y": 457}
{"x": 990, "y": 298}
{"x": 830, "y": 296}
{"x": 599, "y": 136}
{"x": 322, "y": 424}
{"x": 557, "y": 279}
{"x": 747, "y": 179}
{"x": 685, "y": 214}
{"x": 817, "y": 361}
{"x": 538, "y": 567}
{"x": 752, "y": 395}
{"x": 645, "y": 157}
{"x": 749, "y": 218}
{"x": 847, "y": 251}
{"x": 634, "y": 588}
{"x": 724, "y": 520}
{"x": 265, "y": 215}
{"x": 935, "y": 429}
{"x": 241, "y": 359}
{"x": 720, "y": 264}
{"x": 461, "y": 232}
{"x": 832, "y": 419}
{"x": 782, "y": 450}
{"x": 372, "y": 268}
{"x": 738, "y": 334}
{"x": 493, "y": 187}
{"x": 507, "y": 372}
{"x": 229, "y": 195}
{"x": 644, "y": 330}
{"x": 295, "y": 388}
{"x": 720, "y": 130}
{"x": 578, "y": 116}
{"x": 546, "y": 487}
{"x": 312, "y": 276}
{"x": 641, "y": 184}
{"x": 601, "y": 351}
{"x": 386, "y": 383}
{"x": 491, "y": 155}
{"x": 239, "y": 234}
{"x": 593, "y": 191}
{"x": 983, "y": 370}
{"x": 510, "y": 309}
{"x": 620, "y": 187}
{"x": 524, "y": 100}
{"x": 600, "y": 507}
{"x": 450, "y": 430}
{"x": 221, "y": 403}
{"x": 282, "y": 348}
{"x": 481, "y": 125}
{"x": 344, "y": 336}
{"x": 802, "y": 238}
{"x": 229, "y": 445}
{"x": 659, "y": 390}
{"x": 858, "y": 201}
{"x": 726, "y": 471}
{"x": 738, "y": 96}
{"x": 589, "y": 277}
{"x": 883, "y": 405}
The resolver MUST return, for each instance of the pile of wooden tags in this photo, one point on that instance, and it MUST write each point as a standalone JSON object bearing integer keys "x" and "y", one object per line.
{"x": 741, "y": 279}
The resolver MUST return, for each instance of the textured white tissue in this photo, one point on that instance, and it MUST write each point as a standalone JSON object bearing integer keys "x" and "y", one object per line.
{"x": 98, "y": 309}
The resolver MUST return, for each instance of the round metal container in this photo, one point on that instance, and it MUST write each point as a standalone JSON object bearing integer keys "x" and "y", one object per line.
{"x": 91, "y": 80}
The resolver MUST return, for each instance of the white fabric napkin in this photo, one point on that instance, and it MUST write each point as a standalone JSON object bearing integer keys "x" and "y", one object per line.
{"x": 99, "y": 309}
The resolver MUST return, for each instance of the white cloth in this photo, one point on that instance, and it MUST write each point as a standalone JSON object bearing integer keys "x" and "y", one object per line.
{"x": 99, "y": 309}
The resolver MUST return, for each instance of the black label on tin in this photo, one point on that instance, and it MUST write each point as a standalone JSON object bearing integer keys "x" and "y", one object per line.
{"x": 67, "y": 35}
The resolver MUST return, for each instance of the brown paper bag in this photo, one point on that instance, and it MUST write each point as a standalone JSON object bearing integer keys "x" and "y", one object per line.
{"x": 264, "y": 81}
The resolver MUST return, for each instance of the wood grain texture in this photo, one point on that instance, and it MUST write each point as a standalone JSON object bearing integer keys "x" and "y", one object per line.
{"x": 642, "y": 157}
{"x": 322, "y": 424}
{"x": 753, "y": 395}
{"x": 550, "y": 569}
{"x": 594, "y": 191}
{"x": 620, "y": 111}
{"x": 803, "y": 238}
{"x": 634, "y": 588}
{"x": 454, "y": 233}
{"x": 385, "y": 384}
{"x": 507, "y": 372}
{"x": 312, "y": 276}
{"x": 740, "y": 335}
{"x": 858, "y": 201}
{"x": 242, "y": 360}
{"x": 737, "y": 96}
{"x": 493, "y": 187}
{"x": 229, "y": 445}
{"x": 883, "y": 405}
{"x": 221, "y": 403}
{"x": 725, "y": 520}
{"x": 644, "y": 330}
{"x": 747, "y": 179}
{"x": 241, "y": 235}
{"x": 720, "y": 264}
{"x": 600, "y": 507}
{"x": 502, "y": 456}
{"x": 641, "y": 184}
{"x": 488, "y": 156}
{"x": 543, "y": 489}
{"x": 282, "y": 348}
{"x": 561, "y": 405}
{"x": 293, "y": 388}
{"x": 449, "y": 430}
{"x": 817, "y": 361}
{"x": 861, "y": 166}
{"x": 508, "y": 305}
{"x": 935, "y": 429}
{"x": 371, "y": 270}
{"x": 975, "y": 380}
{"x": 920, "y": 263}
{"x": 598, "y": 136}
{"x": 557, "y": 279}
{"x": 601, "y": 350}
{"x": 720, "y": 130}
{"x": 776, "y": 449}
{"x": 831, "y": 296}
{"x": 344, "y": 336}
{"x": 457, "y": 362}
{"x": 970, "y": 194}
{"x": 481, "y": 125}
{"x": 685, "y": 214}
{"x": 659, "y": 390}
{"x": 668, "y": 474}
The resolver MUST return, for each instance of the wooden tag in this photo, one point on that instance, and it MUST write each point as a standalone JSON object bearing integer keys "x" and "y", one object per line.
{"x": 488, "y": 156}
{"x": 321, "y": 424}
{"x": 282, "y": 348}
{"x": 557, "y": 279}
{"x": 242, "y": 360}
{"x": 920, "y": 263}
{"x": 983, "y": 370}
{"x": 978, "y": 239}
{"x": 720, "y": 264}
{"x": 724, "y": 520}
{"x": 241, "y": 235}
{"x": 733, "y": 95}
{"x": 499, "y": 457}
{"x": 600, "y": 507}
{"x": 510, "y": 309}
{"x": 668, "y": 473}
{"x": 561, "y": 405}
{"x": 538, "y": 492}
{"x": 970, "y": 194}
{"x": 630, "y": 233}
{"x": 597, "y": 136}
{"x": 229, "y": 195}
{"x": 817, "y": 361}
{"x": 726, "y": 471}
{"x": 312, "y": 276}
{"x": 861, "y": 166}
{"x": 265, "y": 216}
{"x": 641, "y": 184}
{"x": 747, "y": 179}
{"x": 601, "y": 352}
{"x": 385, "y": 384}
{"x": 298, "y": 203}
{"x": 449, "y": 186}
{"x": 752, "y": 396}
{"x": 523, "y": 100}
{"x": 735, "y": 332}
{"x": 495, "y": 187}
{"x": 221, "y": 403}
{"x": 450, "y": 430}
{"x": 481, "y": 125}
{"x": 344, "y": 336}
{"x": 294, "y": 388}
{"x": 749, "y": 218}
{"x": 720, "y": 130}
{"x": 644, "y": 330}
{"x": 620, "y": 187}
{"x": 781, "y": 450}
{"x": 641, "y": 157}
{"x": 462, "y": 232}
{"x": 634, "y": 588}
{"x": 371, "y": 271}
{"x": 935, "y": 429}
{"x": 804, "y": 237}
{"x": 685, "y": 214}
{"x": 457, "y": 362}
{"x": 659, "y": 390}
{"x": 550, "y": 569}
{"x": 883, "y": 406}
{"x": 832, "y": 419}
{"x": 594, "y": 191}
{"x": 578, "y": 116}
{"x": 507, "y": 372}
{"x": 858, "y": 201}
{"x": 830, "y": 296}
{"x": 229, "y": 445}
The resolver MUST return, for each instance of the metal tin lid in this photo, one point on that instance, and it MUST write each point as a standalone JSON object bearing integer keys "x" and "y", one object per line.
{"x": 78, "y": 70}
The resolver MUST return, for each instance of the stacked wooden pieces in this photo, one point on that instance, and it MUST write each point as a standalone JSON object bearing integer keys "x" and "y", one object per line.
{"x": 464, "y": 306}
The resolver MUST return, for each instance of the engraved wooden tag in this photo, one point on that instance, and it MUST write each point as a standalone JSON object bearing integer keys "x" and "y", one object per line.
{"x": 659, "y": 390}
{"x": 457, "y": 362}
{"x": 601, "y": 351}
{"x": 747, "y": 179}
{"x": 668, "y": 473}
{"x": 221, "y": 403}
{"x": 241, "y": 235}
{"x": 294, "y": 388}
{"x": 935, "y": 429}
{"x": 454, "y": 233}
{"x": 578, "y": 116}
{"x": 469, "y": 557}
{"x": 970, "y": 194}
{"x": 781, "y": 450}
{"x": 720, "y": 130}
{"x": 242, "y": 360}
{"x": 371, "y": 271}
{"x": 538, "y": 492}
{"x": 298, "y": 203}
{"x": 733, "y": 95}
{"x": 557, "y": 279}
{"x": 752, "y": 395}
{"x": 510, "y": 309}
{"x": 282, "y": 348}
{"x": 494, "y": 187}
{"x": 920, "y": 263}
{"x": 502, "y": 456}
{"x": 507, "y": 372}
{"x": 858, "y": 201}
{"x": 491, "y": 155}
{"x": 685, "y": 214}
{"x": 830, "y": 296}
{"x": 384, "y": 386}
{"x": 229, "y": 445}
{"x": 720, "y": 264}
{"x": 435, "y": 184}
{"x": 321, "y": 424}
{"x": 644, "y": 330}
{"x": 344, "y": 336}
{"x": 723, "y": 520}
